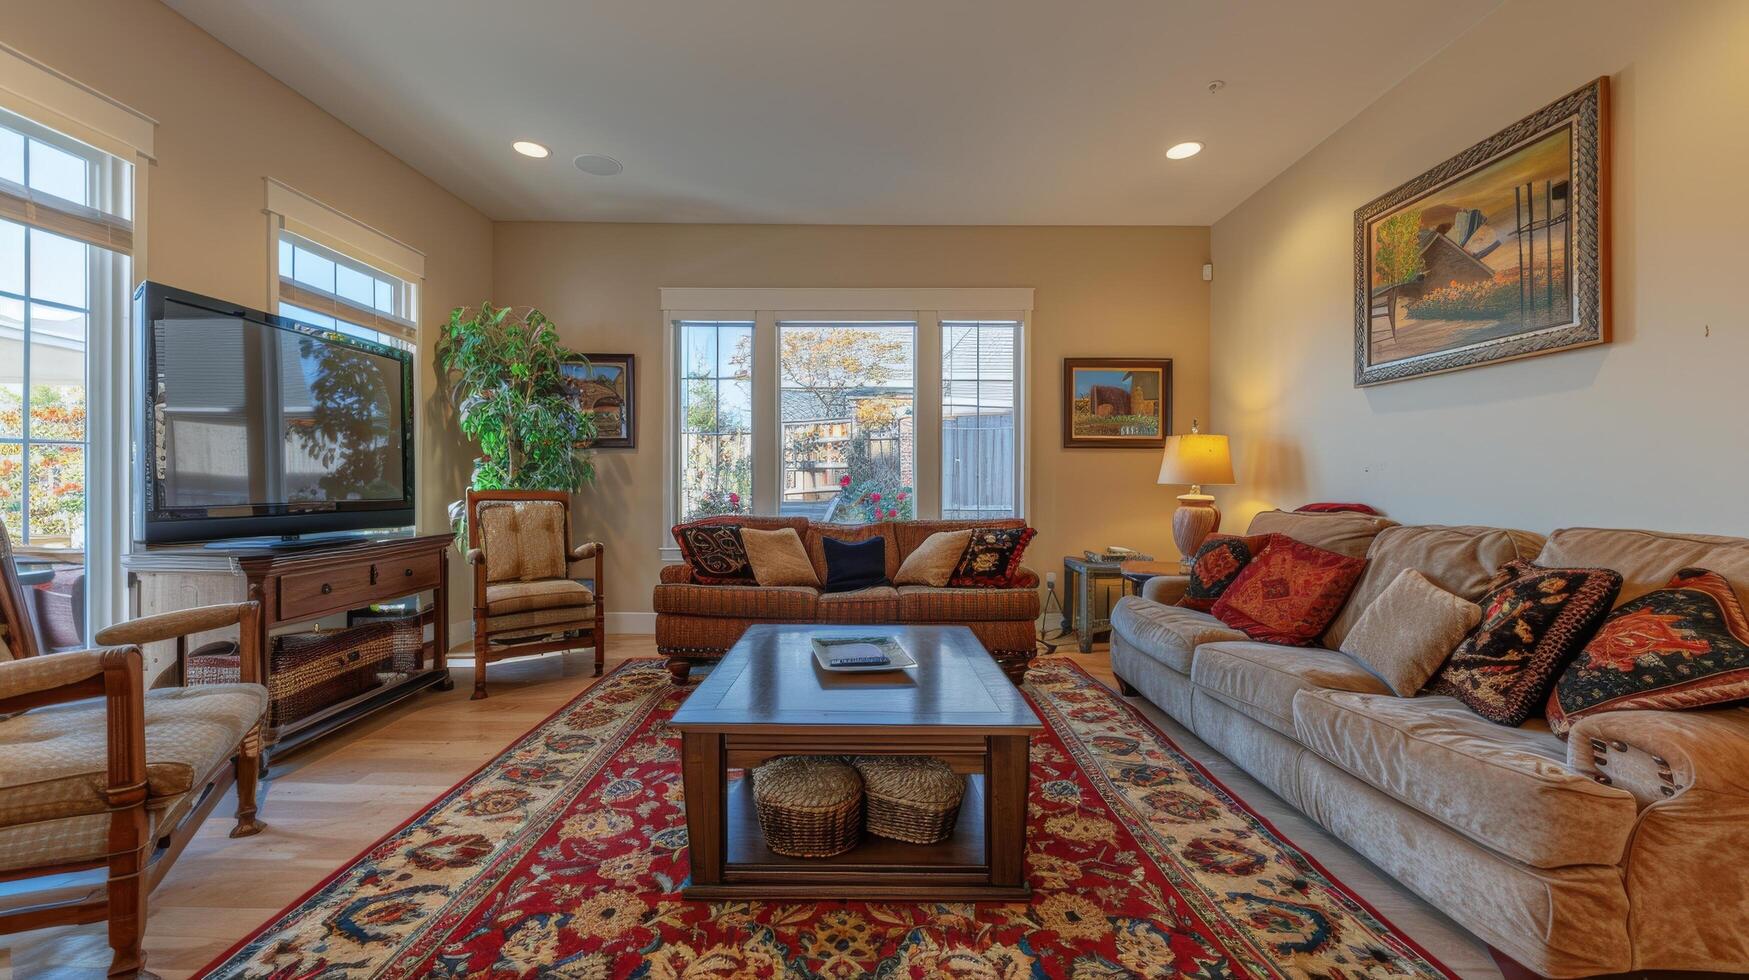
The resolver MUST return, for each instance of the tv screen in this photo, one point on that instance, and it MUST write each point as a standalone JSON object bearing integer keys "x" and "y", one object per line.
{"x": 261, "y": 425}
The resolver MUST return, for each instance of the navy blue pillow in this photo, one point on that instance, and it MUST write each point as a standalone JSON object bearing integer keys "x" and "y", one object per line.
{"x": 852, "y": 565}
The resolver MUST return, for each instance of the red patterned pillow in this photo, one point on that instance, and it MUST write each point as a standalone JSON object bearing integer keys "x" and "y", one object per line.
{"x": 715, "y": 553}
{"x": 1683, "y": 646}
{"x": 991, "y": 558}
{"x": 1533, "y": 621}
{"x": 1217, "y": 563}
{"x": 1289, "y": 593}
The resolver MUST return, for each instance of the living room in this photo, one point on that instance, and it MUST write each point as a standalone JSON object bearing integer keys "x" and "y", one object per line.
{"x": 772, "y": 489}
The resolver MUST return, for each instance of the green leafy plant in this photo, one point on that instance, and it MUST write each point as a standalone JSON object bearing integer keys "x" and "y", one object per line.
{"x": 511, "y": 399}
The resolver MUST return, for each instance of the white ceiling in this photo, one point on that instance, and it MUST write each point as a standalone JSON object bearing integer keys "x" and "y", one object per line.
{"x": 844, "y": 111}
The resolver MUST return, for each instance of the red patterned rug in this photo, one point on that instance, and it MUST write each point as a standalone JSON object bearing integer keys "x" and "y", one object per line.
{"x": 561, "y": 858}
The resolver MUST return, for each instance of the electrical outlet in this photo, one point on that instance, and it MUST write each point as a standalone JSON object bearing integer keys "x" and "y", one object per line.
{"x": 1050, "y": 580}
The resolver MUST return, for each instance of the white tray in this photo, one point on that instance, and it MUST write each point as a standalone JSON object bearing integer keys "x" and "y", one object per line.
{"x": 898, "y": 658}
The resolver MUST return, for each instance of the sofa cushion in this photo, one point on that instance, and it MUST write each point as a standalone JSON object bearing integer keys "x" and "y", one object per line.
{"x": 1261, "y": 679}
{"x": 1169, "y": 634}
{"x": 816, "y": 534}
{"x": 1409, "y": 630}
{"x": 1460, "y": 560}
{"x": 932, "y": 562}
{"x": 1683, "y": 646}
{"x": 1535, "y": 621}
{"x": 909, "y": 535}
{"x": 1508, "y": 789}
{"x": 875, "y": 604}
{"x": 992, "y": 558}
{"x": 792, "y": 603}
{"x": 1647, "y": 559}
{"x": 56, "y": 758}
{"x": 1288, "y": 593}
{"x": 1344, "y": 533}
{"x": 853, "y": 565}
{"x": 1216, "y": 565}
{"x": 777, "y": 557}
{"x": 503, "y": 598}
{"x": 924, "y": 604}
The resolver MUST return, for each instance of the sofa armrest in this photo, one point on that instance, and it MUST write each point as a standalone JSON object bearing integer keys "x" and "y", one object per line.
{"x": 1025, "y": 578}
{"x": 1165, "y": 589}
{"x": 1661, "y": 755}
{"x": 676, "y": 574}
{"x": 1690, "y": 772}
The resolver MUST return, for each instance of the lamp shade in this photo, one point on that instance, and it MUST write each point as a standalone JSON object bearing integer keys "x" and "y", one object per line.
{"x": 1196, "y": 458}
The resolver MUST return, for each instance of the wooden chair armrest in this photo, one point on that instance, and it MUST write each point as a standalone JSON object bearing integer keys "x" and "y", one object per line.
{"x": 475, "y": 556}
{"x": 588, "y": 549}
{"x": 170, "y": 625}
{"x": 57, "y": 678}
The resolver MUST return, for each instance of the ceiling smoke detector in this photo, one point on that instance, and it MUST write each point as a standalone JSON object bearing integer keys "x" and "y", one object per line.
{"x": 600, "y": 166}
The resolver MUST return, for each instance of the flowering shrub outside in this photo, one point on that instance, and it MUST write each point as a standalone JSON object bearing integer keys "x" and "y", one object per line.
{"x": 712, "y": 503}
{"x": 872, "y": 501}
{"x": 57, "y": 472}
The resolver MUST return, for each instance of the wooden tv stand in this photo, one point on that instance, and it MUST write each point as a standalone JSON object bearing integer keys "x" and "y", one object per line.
{"x": 301, "y": 586}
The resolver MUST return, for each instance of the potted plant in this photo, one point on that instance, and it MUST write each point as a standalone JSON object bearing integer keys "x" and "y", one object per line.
{"x": 510, "y": 397}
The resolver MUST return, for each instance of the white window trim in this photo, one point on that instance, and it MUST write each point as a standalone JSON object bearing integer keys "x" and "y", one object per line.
{"x": 55, "y": 100}
{"x": 764, "y": 307}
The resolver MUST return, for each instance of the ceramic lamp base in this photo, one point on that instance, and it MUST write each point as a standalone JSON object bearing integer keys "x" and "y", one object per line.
{"x": 1196, "y": 518}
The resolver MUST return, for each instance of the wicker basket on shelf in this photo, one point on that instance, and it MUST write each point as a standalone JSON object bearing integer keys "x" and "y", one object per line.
{"x": 808, "y": 806}
{"x": 909, "y": 797}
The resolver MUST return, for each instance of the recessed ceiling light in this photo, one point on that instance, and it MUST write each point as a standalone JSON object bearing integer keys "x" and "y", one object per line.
{"x": 1184, "y": 151}
{"x": 530, "y": 148}
{"x": 600, "y": 166}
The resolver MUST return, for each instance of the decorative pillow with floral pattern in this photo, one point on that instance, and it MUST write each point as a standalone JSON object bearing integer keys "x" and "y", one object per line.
{"x": 991, "y": 559}
{"x": 1289, "y": 593}
{"x": 1683, "y": 646}
{"x": 1217, "y": 563}
{"x": 715, "y": 552}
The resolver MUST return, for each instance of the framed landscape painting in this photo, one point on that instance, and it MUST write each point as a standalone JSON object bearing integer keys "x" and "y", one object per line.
{"x": 1116, "y": 402}
{"x": 605, "y": 385}
{"x": 1500, "y": 252}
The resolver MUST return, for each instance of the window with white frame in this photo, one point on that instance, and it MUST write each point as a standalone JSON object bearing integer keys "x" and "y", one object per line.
{"x": 829, "y": 404}
{"x": 326, "y": 288}
{"x": 66, "y": 234}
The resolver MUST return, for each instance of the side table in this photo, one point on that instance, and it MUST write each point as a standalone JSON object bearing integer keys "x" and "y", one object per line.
{"x": 1080, "y": 611}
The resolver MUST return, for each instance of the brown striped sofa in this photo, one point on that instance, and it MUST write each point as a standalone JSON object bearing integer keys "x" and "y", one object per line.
{"x": 697, "y": 622}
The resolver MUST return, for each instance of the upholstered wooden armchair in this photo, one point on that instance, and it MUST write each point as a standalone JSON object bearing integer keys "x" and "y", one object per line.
{"x": 525, "y": 601}
{"x": 99, "y": 775}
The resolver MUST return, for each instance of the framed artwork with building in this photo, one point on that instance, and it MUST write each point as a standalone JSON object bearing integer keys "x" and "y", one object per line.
{"x": 1498, "y": 253}
{"x": 1116, "y": 402}
{"x": 605, "y": 384}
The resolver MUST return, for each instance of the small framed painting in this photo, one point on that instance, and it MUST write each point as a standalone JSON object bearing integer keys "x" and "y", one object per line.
{"x": 606, "y": 385}
{"x": 1116, "y": 402}
{"x": 1499, "y": 253}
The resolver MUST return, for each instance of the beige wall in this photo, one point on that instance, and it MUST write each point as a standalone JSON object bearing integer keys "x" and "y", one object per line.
{"x": 223, "y": 125}
{"x": 1099, "y": 291}
{"x": 1647, "y": 431}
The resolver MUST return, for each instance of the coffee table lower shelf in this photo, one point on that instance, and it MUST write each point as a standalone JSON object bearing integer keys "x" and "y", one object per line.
{"x": 956, "y": 869}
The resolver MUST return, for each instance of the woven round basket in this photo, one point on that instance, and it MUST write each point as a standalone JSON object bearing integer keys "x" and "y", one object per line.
{"x": 911, "y": 797}
{"x": 808, "y": 806}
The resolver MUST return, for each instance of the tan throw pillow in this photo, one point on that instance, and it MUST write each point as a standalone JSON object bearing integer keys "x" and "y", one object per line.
{"x": 778, "y": 557}
{"x": 1409, "y": 631}
{"x": 934, "y": 560}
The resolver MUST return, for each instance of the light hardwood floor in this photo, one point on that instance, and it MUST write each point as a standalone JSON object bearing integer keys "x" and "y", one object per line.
{"x": 325, "y": 804}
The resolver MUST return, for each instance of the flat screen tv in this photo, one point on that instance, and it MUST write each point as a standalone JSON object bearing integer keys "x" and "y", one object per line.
{"x": 259, "y": 426}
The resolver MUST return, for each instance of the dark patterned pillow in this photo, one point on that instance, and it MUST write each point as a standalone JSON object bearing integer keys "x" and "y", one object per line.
{"x": 715, "y": 553}
{"x": 991, "y": 559}
{"x": 1289, "y": 593}
{"x": 1534, "y": 620}
{"x": 1217, "y": 563}
{"x": 1683, "y": 646}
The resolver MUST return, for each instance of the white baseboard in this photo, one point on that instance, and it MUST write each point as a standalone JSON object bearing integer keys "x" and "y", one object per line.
{"x": 461, "y": 631}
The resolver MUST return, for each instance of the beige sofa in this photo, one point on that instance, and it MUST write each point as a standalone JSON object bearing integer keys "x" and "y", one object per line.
{"x": 1625, "y": 847}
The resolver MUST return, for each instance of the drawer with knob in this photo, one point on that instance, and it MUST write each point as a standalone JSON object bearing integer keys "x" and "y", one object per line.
{"x": 406, "y": 575}
{"x": 327, "y": 590}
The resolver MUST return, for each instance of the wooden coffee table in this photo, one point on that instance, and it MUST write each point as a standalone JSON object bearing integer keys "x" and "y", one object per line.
{"x": 768, "y": 698}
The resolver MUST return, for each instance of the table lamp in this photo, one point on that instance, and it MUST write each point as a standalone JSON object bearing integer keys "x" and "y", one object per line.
{"x": 1200, "y": 460}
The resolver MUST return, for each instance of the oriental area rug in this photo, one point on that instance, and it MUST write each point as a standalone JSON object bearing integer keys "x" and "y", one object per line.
{"x": 563, "y": 858}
